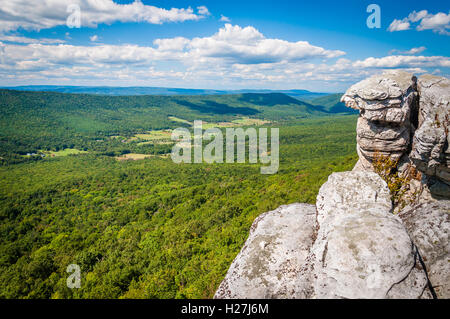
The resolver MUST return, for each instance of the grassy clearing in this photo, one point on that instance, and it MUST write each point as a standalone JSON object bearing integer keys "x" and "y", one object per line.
{"x": 150, "y": 137}
{"x": 164, "y": 136}
{"x": 64, "y": 152}
{"x": 154, "y": 135}
{"x": 137, "y": 157}
{"x": 245, "y": 121}
{"x": 156, "y": 142}
{"x": 177, "y": 119}
{"x": 133, "y": 157}
{"x": 206, "y": 126}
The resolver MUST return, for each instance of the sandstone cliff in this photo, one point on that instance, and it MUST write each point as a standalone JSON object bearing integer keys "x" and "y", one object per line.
{"x": 360, "y": 241}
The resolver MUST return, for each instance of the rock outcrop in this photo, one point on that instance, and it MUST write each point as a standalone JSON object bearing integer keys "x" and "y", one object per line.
{"x": 385, "y": 103}
{"x": 360, "y": 250}
{"x": 356, "y": 254}
{"x": 271, "y": 263}
{"x": 430, "y": 148}
{"x": 353, "y": 244}
{"x": 406, "y": 119}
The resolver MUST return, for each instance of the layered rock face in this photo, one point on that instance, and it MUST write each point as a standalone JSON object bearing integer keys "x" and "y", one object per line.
{"x": 406, "y": 119}
{"x": 351, "y": 244}
{"x": 385, "y": 103}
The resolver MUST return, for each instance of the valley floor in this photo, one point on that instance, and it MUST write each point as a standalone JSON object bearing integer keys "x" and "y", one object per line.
{"x": 150, "y": 228}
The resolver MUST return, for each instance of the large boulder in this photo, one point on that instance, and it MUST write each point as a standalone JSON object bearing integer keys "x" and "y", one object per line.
{"x": 362, "y": 250}
{"x": 271, "y": 263}
{"x": 428, "y": 224}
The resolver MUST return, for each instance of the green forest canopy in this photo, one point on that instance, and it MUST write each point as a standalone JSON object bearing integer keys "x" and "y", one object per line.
{"x": 148, "y": 228}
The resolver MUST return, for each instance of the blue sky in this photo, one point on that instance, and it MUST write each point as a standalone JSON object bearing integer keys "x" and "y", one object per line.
{"x": 314, "y": 45}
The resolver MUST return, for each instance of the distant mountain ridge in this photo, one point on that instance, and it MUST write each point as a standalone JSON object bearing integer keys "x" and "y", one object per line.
{"x": 143, "y": 90}
{"x": 32, "y": 120}
{"x": 330, "y": 104}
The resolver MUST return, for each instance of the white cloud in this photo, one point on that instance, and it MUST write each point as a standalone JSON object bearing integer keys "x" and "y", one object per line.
{"x": 409, "y": 52}
{"x": 235, "y": 44}
{"x": 177, "y": 44}
{"x": 417, "y": 16}
{"x": 415, "y": 50}
{"x": 399, "y": 25}
{"x": 20, "y": 39}
{"x": 439, "y": 22}
{"x": 43, "y": 14}
{"x": 94, "y": 38}
{"x": 224, "y": 18}
{"x": 403, "y": 61}
{"x": 202, "y": 10}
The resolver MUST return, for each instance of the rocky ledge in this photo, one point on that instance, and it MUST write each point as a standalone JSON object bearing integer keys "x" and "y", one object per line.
{"x": 356, "y": 242}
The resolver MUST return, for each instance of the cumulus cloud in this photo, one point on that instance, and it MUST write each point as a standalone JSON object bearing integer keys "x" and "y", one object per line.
{"x": 399, "y": 25}
{"x": 248, "y": 46}
{"x": 439, "y": 22}
{"x": 202, "y": 10}
{"x": 224, "y": 18}
{"x": 43, "y": 14}
{"x": 94, "y": 38}
{"x": 417, "y": 16}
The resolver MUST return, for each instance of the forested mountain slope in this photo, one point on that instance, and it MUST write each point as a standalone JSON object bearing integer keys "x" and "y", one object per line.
{"x": 150, "y": 228}
{"x": 145, "y": 90}
{"x": 30, "y": 121}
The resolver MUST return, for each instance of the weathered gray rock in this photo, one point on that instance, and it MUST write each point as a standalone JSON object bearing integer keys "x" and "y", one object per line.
{"x": 390, "y": 141}
{"x": 389, "y": 87}
{"x": 407, "y": 120}
{"x": 270, "y": 265}
{"x": 430, "y": 150}
{"x": 428, "y": 224}
{"x": 351, "y": 191}
{"x": 385, "y": 102}
{"x": 362, "y": 250}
